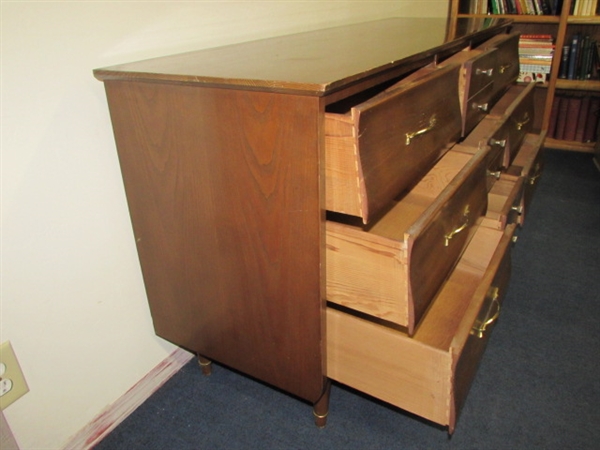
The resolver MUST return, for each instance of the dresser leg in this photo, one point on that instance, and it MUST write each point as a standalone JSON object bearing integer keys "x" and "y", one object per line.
{"x": 321, "y": 408}
{"x": 205, "y": 365}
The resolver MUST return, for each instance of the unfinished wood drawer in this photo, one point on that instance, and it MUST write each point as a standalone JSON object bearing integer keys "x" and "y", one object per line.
{"x": 507, "y": 123}
{"x": 505, "y": 202}
{"x": 428, "y": 374}
{"x": 393, "y": 268}
{"x": 380, "y": 147}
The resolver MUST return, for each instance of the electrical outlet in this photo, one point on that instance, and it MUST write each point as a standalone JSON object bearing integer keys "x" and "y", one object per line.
{"x": 12, "y": 382}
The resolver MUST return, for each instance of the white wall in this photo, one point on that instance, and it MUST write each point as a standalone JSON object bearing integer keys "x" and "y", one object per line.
{"x": 73, "y": 302}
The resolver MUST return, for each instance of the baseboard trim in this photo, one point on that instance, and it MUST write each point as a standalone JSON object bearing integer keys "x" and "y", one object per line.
{"x": 118, "y": 411}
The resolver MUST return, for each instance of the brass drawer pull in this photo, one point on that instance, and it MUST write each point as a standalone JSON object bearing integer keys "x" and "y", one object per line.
{"x": 505, "y": 67}
{"x": 479, "y": 328}
{"x": 481, "y": 107}
{"x": 487, "y": 72}
{"x": 498, "y": 142}
{"x": 525, "y": 120}
{"x": 459, "y": 229}
{"x": 518, "y": 209}
{"x": 411, "y": 136}
{"x": 538, "y": 173}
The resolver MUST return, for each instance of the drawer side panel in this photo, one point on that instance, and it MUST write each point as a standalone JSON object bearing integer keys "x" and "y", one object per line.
{"x": 389, "y": 366}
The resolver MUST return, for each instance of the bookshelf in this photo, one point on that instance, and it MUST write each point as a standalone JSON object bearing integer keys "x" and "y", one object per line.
{"x": 571, "y": 17}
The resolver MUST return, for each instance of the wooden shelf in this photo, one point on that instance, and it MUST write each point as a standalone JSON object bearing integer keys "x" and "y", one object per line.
{"x": 584, "y": 147}
{"x": 517, "y": 18}
{"x": 583, "y": 20}
{"x": 578, "y": 85}
{"x": 562, "y": 27}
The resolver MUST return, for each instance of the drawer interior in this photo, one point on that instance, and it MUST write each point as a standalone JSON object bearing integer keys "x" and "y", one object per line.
{"x": 417, "y": 373}
{"x": 387, "y": 269}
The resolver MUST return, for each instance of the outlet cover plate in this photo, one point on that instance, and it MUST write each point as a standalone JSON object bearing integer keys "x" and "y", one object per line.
{"x": 12, "y": 382}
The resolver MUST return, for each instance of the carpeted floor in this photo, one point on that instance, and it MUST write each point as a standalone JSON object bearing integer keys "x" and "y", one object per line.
{"x": 538, "y": 386}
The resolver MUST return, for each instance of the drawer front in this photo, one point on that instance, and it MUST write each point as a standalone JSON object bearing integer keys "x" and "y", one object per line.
{"x": 492, "y": 288}
{"x": 495, "y": 159}
{"x": 479, "y": 72}
{"x": 438, "y": 239}
{"x": 514, "y": 115}
{"x": 529, "y": 164}
{"x": 396, "y": 137}
{"x": 495, "y": 163}
{"x": 393, "y": 268}
{"x": 507, "y": 60}
{"x": 476, "y": 108}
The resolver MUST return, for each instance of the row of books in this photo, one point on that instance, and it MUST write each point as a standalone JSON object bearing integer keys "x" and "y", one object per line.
{"x": 574, "y": 118}
{"x": 536, "y": 7}
{"x": 535, "y": 53}
{"x": 584, "y": 8}
{"x": 580, "y": 59}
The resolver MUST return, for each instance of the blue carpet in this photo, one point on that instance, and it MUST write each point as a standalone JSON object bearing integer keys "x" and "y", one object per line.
{"x": 538, "y": 386}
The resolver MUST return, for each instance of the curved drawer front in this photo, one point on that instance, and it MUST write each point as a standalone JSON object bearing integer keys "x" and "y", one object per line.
{"x": 487, "y": 302}
{"x": 393, "y": 269}
{"x": 479, "y": 72}
{"x": 507, "y": 123}
{"x": 515, "y": 126}
{"x": 494, "y": 159}
{"x": 507, "y": 60}
{"x": 438, "y": 239}
{"x": 392, "y": 140}
{"x": 476, "y": 108}
{"x": 529, "y": 164}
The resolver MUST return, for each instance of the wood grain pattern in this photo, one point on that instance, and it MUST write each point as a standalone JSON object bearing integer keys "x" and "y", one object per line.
{"x": 504, "y": 202}
{"x": 311, "y": 63}
{"x": 388, "y": 270}
{"x": 223, "y": 191}
{"x": 419, "y": 373}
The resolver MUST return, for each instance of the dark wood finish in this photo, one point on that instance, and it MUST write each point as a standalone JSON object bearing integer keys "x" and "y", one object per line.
{"x": 389, "y": 162}
{"x": 506, "y": 70}
{"x": 223, "y": 191}
{"x": 431, "y": 260}
{"x": 493, "y": 287}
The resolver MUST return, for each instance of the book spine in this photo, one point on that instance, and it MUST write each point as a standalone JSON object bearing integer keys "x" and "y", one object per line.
{"x": 573, "y": 55}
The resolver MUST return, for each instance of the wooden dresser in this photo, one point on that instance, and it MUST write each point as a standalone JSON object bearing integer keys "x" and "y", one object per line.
{"x": 332, "y": 205}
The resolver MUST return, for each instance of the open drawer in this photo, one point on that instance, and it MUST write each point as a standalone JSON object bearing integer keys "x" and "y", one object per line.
{"x": 378, "y": 148}
{"x": 507, "y": 123}
{"x": 393, "y": 268}
{"x": 430, "y": 373}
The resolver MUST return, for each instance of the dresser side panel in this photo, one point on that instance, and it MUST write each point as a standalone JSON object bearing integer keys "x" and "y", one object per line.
{"x": 223, "y": 191}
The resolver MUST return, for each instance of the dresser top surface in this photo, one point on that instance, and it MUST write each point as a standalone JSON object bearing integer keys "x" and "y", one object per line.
{"x": 314, "y": 62}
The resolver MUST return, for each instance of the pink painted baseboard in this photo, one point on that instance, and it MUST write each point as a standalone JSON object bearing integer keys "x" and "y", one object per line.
{"x": 115, "y": 413}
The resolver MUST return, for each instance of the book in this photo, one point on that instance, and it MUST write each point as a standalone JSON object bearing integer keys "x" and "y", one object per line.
{"x": 583, "y": 117}
{"x": 589, "y": 133}
{"x": 573, "y": 108}
{"x": 561, "y": 119}
{"x": 553, "y": 117}
{"x": 573, "y": 55}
